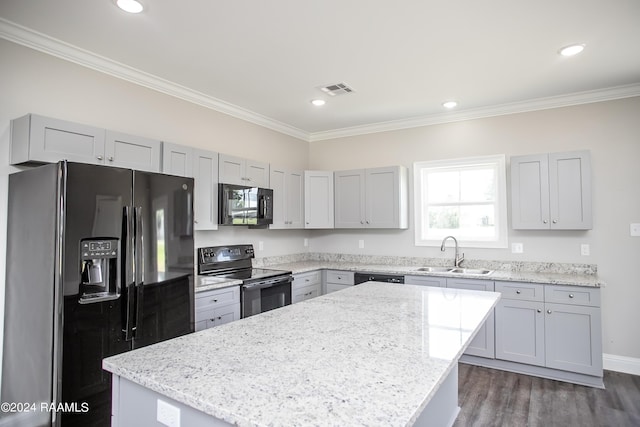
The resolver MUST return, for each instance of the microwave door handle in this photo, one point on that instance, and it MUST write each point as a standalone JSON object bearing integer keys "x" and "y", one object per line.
{"x": 262, "y": 206}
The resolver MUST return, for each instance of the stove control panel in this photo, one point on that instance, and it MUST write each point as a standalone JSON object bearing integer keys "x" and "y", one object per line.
{"x": 223, "y": 257}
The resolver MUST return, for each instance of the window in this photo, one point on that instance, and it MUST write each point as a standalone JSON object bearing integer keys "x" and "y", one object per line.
{"x": 464, "y": 198}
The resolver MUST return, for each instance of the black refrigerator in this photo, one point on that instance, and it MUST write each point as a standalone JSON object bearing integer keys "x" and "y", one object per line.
{"x": 99, "y": 262}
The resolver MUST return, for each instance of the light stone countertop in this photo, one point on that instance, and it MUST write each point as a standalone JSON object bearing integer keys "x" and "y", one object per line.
{"x": 373, "y": 354}
{"x": 207, "y": 283}
{"x": 569, "y": 279}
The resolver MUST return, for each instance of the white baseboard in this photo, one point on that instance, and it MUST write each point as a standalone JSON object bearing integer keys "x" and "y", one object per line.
{"x": 628, "y": 365}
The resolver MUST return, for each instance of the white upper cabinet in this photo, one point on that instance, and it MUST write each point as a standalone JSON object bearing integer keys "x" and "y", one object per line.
{"x": 36, "y": 138}
{"x": 371, "y": 198}
{"x": 551, "y": 191}
{"x": 131, "y": 151}
{"x": 239, "y": 171}
{"x": 288, "y": 196}
{"x": 205, "y": 173}
{"x": 202, "y": 166}
{"x": 177, "y": 159}
{"x": 318, "y": 199}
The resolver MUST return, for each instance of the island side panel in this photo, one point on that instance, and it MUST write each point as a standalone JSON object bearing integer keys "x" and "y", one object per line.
{"x": 135, "y": 406}
{"x": 442, "y": 410}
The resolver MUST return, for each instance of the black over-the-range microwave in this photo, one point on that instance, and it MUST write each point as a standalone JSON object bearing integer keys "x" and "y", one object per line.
{"x": 242, "y": 205}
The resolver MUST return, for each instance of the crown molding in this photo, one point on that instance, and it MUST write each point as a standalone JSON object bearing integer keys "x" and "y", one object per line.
{"x": 559, "y": 101}
{"x": 43, "y": 43}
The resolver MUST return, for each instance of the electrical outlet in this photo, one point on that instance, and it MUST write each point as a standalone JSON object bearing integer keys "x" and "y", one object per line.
{"x": 517, "y": 248}
{"x": 261, "y": 246}
{"x": 584, "y": 249}
{"x": 634, "y": 229}
{"x": 361, "y": 244}
{"x": 168, "y": 414}
{"x": 305, "y": 242}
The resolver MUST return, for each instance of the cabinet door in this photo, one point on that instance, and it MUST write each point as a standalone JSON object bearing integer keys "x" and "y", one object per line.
{"x": 277, "y": 180}
{"x": 257, "y": 174}
{"x": 438, "y": 282}
{"x": 205, "y": 173}
{"x": 570, "y": 190}
{"x": 231, "y": 170}
{"x": 483, "y": 344}
{"x": 573, "y": 338}
{"x": 226, "y": 314}
{"x": 386, "y": 198}
{"x": 349, "y": 199}
{"x": 530, "y": 192}
{"x": 318, "y": 199}
{"x": 295, "y": 199}
{"x": 133, "y": 152}
{"x": 177, "y": 159}
{"x": 43, "y": 139}
{"x": 520, "y": 331}
{"x": 305, "y": 293}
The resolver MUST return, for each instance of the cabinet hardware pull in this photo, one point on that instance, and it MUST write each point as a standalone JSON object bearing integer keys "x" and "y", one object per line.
{"x": 99, "y": 157}
{"x": 110, "y": 158}
{"x": 545, "y": 221}
{"x": 215, "y": 300}
{"x": 539, "y": 311}
{"x": 555, "y": 221}
{"x": 570, "y": 295}
{"x": 549, "y": 311}
{"x": 518, "y": 292}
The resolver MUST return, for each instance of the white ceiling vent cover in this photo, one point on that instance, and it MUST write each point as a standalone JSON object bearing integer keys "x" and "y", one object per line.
{"x": 336, "y": 89}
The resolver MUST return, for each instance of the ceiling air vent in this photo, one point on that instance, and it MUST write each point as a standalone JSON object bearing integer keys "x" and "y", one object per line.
{"x": 336, "y": 89}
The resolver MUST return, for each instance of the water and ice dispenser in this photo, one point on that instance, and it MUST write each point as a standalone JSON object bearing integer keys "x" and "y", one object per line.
{"x": 99, "y": 260}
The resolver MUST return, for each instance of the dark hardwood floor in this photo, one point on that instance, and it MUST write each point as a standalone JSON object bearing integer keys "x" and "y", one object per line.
{"x": 490, "y": 397}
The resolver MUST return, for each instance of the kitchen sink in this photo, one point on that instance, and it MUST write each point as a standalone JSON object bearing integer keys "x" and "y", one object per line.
{"x": 436, "y": 269}
{"x": 478, "y": 271}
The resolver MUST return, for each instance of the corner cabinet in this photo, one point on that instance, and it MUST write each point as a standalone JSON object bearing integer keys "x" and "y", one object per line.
{"x": 306, "y": 286}
{"x": 288, "y": 197}
{"x": 201, "y": 165}
{"x": 42, "y": 139}
{"x": 337, "y": 280}
{"x": 551, "y": 191}
{"x": 318, "y": 199}
{"x": 371, "y": 198}
{"x": 239, "y": 171}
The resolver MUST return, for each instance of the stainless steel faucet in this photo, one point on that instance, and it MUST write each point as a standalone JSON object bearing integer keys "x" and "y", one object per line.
{"x": 458, "y": 259}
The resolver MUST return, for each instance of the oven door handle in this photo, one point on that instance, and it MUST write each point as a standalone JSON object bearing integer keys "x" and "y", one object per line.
{"x": 269, "y": 284}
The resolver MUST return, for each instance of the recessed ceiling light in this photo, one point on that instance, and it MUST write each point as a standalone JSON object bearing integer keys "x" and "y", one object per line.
{"x": 574, "y": 49}
{"x": 131, "y": 6}
{"x": 318, "y": 102}
{"x": 449, "y": 104}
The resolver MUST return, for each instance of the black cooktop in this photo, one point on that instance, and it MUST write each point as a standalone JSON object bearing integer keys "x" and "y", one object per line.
{"x": 232, "y": 262}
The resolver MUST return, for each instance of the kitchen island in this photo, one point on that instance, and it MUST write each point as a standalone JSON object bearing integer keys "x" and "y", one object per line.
{"x": 374, "y": 354}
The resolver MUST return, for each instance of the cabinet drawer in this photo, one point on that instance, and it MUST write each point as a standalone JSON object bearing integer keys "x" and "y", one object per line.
{"x": 217, "y": 316}
{"x": 217, "y": 298}
{"x": 522, "y": 291}
{"x": 307, "y": 279}
{"x": 306, "y": 292}
{"x": 572, "y": 295}
{"x": 341, "y": 277}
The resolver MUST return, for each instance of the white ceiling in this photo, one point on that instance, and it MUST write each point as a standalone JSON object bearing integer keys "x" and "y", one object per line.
{"x": 263, "y": 60}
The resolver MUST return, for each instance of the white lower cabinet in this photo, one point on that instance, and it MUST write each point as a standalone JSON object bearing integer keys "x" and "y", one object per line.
{"x": 483, "y": 344}
{"x": 337, "y": 280}
{"x": 217, "y": 307}
{"x": 553, "y": 326}
{"x": 438, "y": 282}
{"x": 306, "y": 286}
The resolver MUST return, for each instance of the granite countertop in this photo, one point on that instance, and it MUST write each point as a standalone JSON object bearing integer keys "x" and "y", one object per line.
{"x": 369, "y": 355}
{"x": 207, "y": 283}
{"x": 569, "y": 279}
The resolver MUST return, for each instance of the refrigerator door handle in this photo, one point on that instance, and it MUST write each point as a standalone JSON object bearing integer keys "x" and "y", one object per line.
{"x": 129, "y": 271}
{"x": 139, "y": 271}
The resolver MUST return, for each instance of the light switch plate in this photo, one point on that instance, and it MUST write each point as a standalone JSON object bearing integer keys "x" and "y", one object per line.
{"x": 584, "y": 249}
{"x": 305, "y": 242}
{"x": 517, "y": 248}
{"x": 634, "y": 229}
{"x": 361, "y": 244}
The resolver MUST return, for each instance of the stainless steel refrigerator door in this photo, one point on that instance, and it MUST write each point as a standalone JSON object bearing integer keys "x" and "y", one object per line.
{"x": 32, "y": 274}
{"x": 163, "y": 207}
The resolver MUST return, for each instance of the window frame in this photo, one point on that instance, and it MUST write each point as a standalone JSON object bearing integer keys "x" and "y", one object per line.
{"x": 501, "y": 220}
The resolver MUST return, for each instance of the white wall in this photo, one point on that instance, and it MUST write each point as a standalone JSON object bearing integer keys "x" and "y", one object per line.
{"x": 611, "y": 130}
